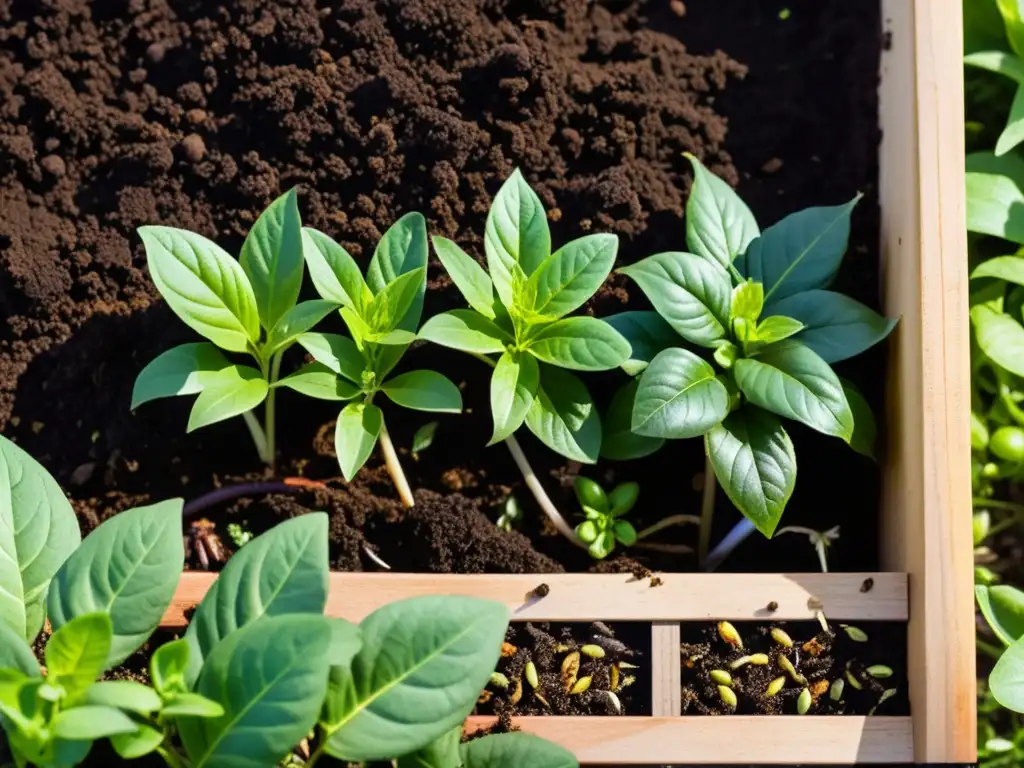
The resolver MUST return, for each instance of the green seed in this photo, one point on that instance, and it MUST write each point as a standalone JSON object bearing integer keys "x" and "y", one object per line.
{"x": 781, "y": 637}
{"x": 728, "y": 633}
{"x": 775, "y": 686}
{"x": 886, "y": 695}
{"x": 787, "y": 666}
{"x": 856, "y": 634}
{"x": 627, "y": 665}
{"x": 531, "y": 675}
{"x": 593, "y": 651}
{"x": 836, "y": 691}
{"x": 879, "y": 671}
{"x": 741, "y": 661}
{"x": 720, "y": 676}
{"x": 582, "y": 686}
{"x": 498, "y": 680}
{"x": 760, "y": 659}
{"x": 727, "y": 696}
{"x": 853, "y": 681}
{"x": 803, "y": 704}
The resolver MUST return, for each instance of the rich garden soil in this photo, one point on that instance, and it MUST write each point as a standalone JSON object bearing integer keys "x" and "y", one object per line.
{"x": 196, "y": 114}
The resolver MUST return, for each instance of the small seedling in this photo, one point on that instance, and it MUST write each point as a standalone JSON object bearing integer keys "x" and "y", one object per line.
{"x": 511, "y": 514}
{"x": 249, "y": 307}
{"x": 382, "y": 313}
{"x": 820, "y": 540}
{"x": 603, "y": 526}
{"x": 239, "y": 535}
{"x": 423, "y": 439}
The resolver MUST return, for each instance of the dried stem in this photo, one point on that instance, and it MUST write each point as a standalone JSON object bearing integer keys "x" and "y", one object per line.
{"x": 394, "y": 467}
{"x": 707, "y": 510}
{"x": 534, "y": 484}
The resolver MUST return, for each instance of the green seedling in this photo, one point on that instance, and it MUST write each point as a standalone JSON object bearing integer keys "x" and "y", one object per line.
{"x": 216, "y": 695}
{"x": 518, "y": 324}
{"x": 758, "y": 307}
{"x": 511, "y": 514}
{"x": 603, "y": 526}
{"x": 247, "y": 307}
{"x": 382, "y": 313}
{"x": 423, "y": 439}
{"x": 820, "y": 540}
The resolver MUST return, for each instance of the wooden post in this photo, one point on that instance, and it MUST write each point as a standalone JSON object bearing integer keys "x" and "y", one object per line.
{"x": 666, "y": 670}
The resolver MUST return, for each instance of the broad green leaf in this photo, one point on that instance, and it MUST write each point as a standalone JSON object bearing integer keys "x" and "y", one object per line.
{"x": 514, "y": 384}
{"x": 647, "y": 334}
{"x": 337, "y": 352}
{"x": 1008, "y": 268}
{"x": 424, "y": 437}
{"x": 466, "y": 330}
{"x": 791, "y": 380}
{"x": 564, "y": 281}
{"x": 319, "y": 381}
{"x": 424, "y": 391}
{"x": 335, "y": 274}
{"x": 564, "y": 418}
{"x": 168, "y": 667}
{"x": 469, "y": 277}
{"x": 618, "y": 440}
{"x": 182, "y": 370}
{"x": 393, "y": 301}
{"x": 580, "y": 344}
{"x": 204, "y": 286}
{"x": 755, "y": 464}
{"x": 776, "y": 328}
{"x": 272, "y": 258}
{"x": 394, "y": 338}
{"x": 282, "y": 571}
{"x": 132, "y": 746}
{"x": 128, "y": 568}
{"x": 77, "y": 653}
{"x": 191, "y": 705}
{"x": 423, "y": 663}
{"x": 998, "y": 61}
{"x": 440, "y": 753}
{"x": 1003, "y": 609}
{"x": 995, "y": 206}
{"x": 690, "y": 292}
{"x": 1006, "y": 680}
{"x": 296, "y": 321}
{"x": 346, "y": 642}
{"x": 865, "y": 430}
{"x": 38, "y": 530}
{"x": 271, "y": 679}
{"x": 747, "y": 302}
{"x": 801, "y": 252}
{"x": 837, "y": 327}
{"x": 90, "y": 723}
{"x": 515, "y": 750}
{"x": 402, "y": 249}
{"x": 229, "y": 392}
{"x": 719, "y": 225}
{"x": 1000, "y": 337}
{"x": 1011, "y": 13}
{"x": 1011, "y": 165}
{"x": 355, "y": 434}
{"x": 516, "y": 232}
{"x": 1013, "y": 133}
{"x": 678, "y": 396}
{"x": 15, "y": 652}
{"x": 124, "y": 694}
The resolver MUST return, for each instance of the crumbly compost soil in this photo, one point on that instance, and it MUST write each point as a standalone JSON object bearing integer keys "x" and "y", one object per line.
{"x": 196, "y": 114}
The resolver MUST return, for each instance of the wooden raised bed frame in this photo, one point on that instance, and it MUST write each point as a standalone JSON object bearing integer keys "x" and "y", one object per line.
{"x": 926, "y": 541}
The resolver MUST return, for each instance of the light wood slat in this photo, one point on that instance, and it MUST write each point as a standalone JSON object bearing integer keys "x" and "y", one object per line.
{"x": 666, "y": 670}
{"x": 926, "y": 497}
{"x": 721, "y": 740}
{"x": 583, "y": 597}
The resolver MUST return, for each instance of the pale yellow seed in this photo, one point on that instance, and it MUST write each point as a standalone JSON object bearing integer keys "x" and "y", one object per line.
{"x": 593, "y": 651}
{"x": 775, "y": 686}
{"x": 787, "y": 666}
{"x": 531, "y": 675}
{"x": 570, "y": 668}
{"x": 740, "y": 662}
{"x": 781, "y": 637}
{"x": 803, "y": 704}
{"x": 542, "y": 700}
{"x": 720, "y": 676}
{"x": 759, "y": 659}
{"x": 627, "y": 665}
{"x": 582, "y": 686}
{"x": 728, "y": 633}
{"x": 727, "y": 696}
{"x": 498, "y": 680}
{"x": 614, "y": 678}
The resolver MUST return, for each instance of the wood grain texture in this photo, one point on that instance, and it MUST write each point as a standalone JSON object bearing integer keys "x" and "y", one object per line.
{"x": 666, "y": 670}
{"x": 759, "y": 740}
{"x": 926, "y": 480}
{"x": 610, "y": 597}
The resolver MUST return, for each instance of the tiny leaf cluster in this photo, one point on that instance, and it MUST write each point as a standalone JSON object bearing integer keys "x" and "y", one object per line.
{"x": 603, "y": 526}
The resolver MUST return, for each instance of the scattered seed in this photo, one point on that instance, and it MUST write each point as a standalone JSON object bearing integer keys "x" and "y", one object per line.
{"x": 814, "y": 603}
{"x": 602, "y": 628}
{"x": 720, "y": 676}
{"x": 656, "y": 581}
{"x": 879, "y": 671}
{"x": 582, "y": 686}
{"x": 541, "y": 590}
{"x": 856, "y": 634}
{"x": 531, "y": 675}
{"x": 507, "y": 649}
{"x": 781, "y": 637}
{"x": 886, "y": 695}
{"x": 803, "y": 704}
{"x": 787, "y": 666}
{"x": 775, "y": 686}
{"x": 593, "y": 651}
{"x": 727, "y": 696}
{"x": 759, "y": 659}
{"x": 853, "y": 681}
{"x": 772, "y": 607}
{"x": 729, "y": 634}
{"x": 485, "y": 696}
{"x": 542, "y": 700}
{"x": 740, "y": 662}
{"x": 570, "y": 668}
{"x": 498, "y": 680}
{"x": 613, "y": 674}
{"x": 867, "y": 585}
{"x": 616, "y": 704}
{"x": 836, "y": 691}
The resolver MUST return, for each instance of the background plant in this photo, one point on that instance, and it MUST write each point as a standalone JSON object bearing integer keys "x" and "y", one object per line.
{"x": 382, "y": 314}
{"x": 518, "y": 312}
{"x": 249, "y": 307}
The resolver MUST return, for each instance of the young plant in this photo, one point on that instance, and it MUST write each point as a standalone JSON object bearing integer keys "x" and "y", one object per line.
{"x": 517, "y": 323}
{"x": 603, "y": 526}
{"x": 382, "y": 314}
{"x": 247, "y": 307}
{"x": 1003, "y": 608}
{"x": 758, "y": 303}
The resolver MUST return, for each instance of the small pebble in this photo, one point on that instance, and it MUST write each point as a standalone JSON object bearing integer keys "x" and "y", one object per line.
{"x": 54, "y": 165}
{"x": 772, "y": 166}
{"x": 678, "y": 8}
{"x": 156, "y": 52}
{"x": 194, "y": 147}
{"x": 196, "y": 116}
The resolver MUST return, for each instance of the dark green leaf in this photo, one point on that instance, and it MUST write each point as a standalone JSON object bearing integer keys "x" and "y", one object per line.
{"x": 182, "y": 370}
{"x": 571, "y": 275}
{"x": 1007, "y": 678}
{"x": 339, "y": 353}
{"x": 424, "y": 391}
{"x": 647, "y": 334}
{"x": 227, "y": 393}
{"x": 864, "y": 428}
{"x": 319, "y": 381}
{"x": 468, "y": 276}
{"x": 514, "y": 384}
{"x": 335, "y": 274}
{"x": 837, "y": 327}
{"x": 440, "y": 753}
{"x": 515, "y": 750}
{"x": 580, "y": 344}
{"x": 516, "y": 232}
{"x": 466, "y": 330}
{"x": 77, "y": 653}
{"x": 403, "y": 249}
{"x": 1003, "y": 609}
{"x": 564, "y": 418}
{"x": 678, "y": 397}
{"x": 618, "y": 441}
{"x": 1000, "y": 337}
{"x": 272, "y": 258}
{"x": 719, "y": 225}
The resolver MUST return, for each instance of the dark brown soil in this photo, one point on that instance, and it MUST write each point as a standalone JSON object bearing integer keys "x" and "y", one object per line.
{"x": 196, "y": 114}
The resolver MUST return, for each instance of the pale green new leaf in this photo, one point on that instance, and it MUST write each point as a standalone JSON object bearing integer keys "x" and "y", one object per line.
{"x": 181, "y": 370}
{"x": 296, "y": 321}
{"x": 272, "y": 258}
{"x": 514, "y": 384}
{"x": 747, "y": 302}
{"x": 355, "y": 435}
{"x": 791, "y": 380}
{"x": 77, "y": 653}
{"x": 618, "y": 440}
{"x": 424, "y": 391}
{"x": 1002, "y": 606}
{"x": 132, "y": 746}
{"x": 128, "y": 568}
{"x": 282, "y": 571}
{"x": 229, "y": 392}
{"x": 563, "y": 416}
{"x": 191, "y": 705}
{"x": 565, "y": 280}
{"x": 755, "y": 464}
{"x": 719, "y": 225}
{"x": 691, "y": 293}
{"x": 124, "y": 694}
{"x": 466, "y": 330}
{"x": 836, "y": 326}
{"x": 91, "y": 723}
{"x": 515, "y": 750}
{"x": 580, "y": 344}
{"x": 646, "y": 333}
{"x": 1008, "y": 268}
{"x": 168, "y": 667}
{"x": 393, "y": 302}
{"x": 203, "y": 285}
{"x": 334, "y": 272}
{"x": 1011, "y": 12}
{"x": 38, "y": 531}
{"x": 776, "y": 328}
{"x": 319, "y": 381}
{"x": 1000, "y": 62}
{"x": 516, "y": 232}
{"x": 1000, "y": 337}
{"x": 678, "y": 397}
{"x": 1007, "y": 678}
{"x": 469, "y": 277}
{"x": 401, "y": 250}
{"x": 339, "y": 353}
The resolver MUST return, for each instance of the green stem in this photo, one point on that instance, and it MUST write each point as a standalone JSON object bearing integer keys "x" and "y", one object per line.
{"x": 394, "y": 468}
{"x": 171, "y": 757}
{"x": 258, "y": 437}
{"x": 321, "y": 745}
{"x": 707, "y": 510}
{"x": 667, "y": 522}
{"x": 736, "y": 274}
{"x": 1007, "y": 506}
{"x": 271, "y": 430}
{"x": 988, "y": 649}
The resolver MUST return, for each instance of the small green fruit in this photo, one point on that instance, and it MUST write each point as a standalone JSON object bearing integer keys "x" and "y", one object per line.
{"x": 590, "y": 494}
{"x": 981, "y": 523}
{"x": 1008, "y": 444}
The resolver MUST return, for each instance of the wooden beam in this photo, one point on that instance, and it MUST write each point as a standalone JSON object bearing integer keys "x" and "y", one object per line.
{"x": 666, "y": 670}
{"x": 709, "y": 740}
{"x": 585, "y": 597}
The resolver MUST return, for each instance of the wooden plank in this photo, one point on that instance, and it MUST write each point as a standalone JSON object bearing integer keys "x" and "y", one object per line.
{"x": 610, "y": 597}
{"x": 926, "y": 480}
{"x": 759, "y": 740}
{"x": 666, "y": 670}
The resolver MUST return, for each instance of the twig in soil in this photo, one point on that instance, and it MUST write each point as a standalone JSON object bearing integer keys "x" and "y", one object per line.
{"x": 227, "y": 493}
{"x": 375, "y": 557}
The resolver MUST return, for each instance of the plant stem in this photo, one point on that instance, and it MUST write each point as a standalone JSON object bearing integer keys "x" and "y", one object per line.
{"x": 707, "y": 510}
{"x": 1007, "y": 506}
{"x": 258, "y": 436}
{"x": 271, "y": 430}
{"x": 534, "y": 484}
{"x": 171, "y": 757}
{"x": 394, "y": 468}
{"x": 667, "y": 522}
{"x": 988, "y": 649}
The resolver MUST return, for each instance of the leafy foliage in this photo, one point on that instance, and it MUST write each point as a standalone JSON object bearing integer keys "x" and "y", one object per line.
{"x": 604, "y": 525}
